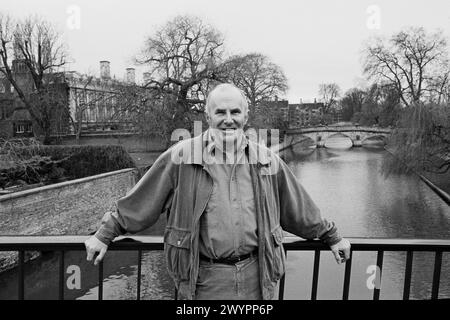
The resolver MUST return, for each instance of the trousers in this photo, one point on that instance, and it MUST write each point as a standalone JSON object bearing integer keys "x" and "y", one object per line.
{"x": 239, "y": 281}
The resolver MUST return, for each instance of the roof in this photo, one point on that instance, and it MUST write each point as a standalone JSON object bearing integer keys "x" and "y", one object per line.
{"x": 21, "y": 114}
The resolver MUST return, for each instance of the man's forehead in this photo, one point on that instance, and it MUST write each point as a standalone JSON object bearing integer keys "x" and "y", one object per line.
{"x": 227, "y": 95}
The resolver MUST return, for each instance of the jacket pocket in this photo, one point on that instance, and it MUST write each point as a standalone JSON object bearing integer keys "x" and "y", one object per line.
{"x": 279, "y": 256}
{"x": 177, "y": 248}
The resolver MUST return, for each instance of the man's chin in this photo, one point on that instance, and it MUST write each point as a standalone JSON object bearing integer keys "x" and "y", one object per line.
{"x": 227, "y": 135}
{"x": 230, "y": 135}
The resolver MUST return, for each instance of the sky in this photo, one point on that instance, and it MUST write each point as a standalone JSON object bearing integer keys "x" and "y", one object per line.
{"x": 313, "y": 42}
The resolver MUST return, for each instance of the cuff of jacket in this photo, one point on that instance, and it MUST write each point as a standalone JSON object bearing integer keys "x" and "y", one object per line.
{"x": 104, "y": 235}
{"x": 108, "y": 230}
{"x": 331, "y": 236}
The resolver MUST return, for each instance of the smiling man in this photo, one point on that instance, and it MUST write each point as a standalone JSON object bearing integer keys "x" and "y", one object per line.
{"x": 225, "y": 219}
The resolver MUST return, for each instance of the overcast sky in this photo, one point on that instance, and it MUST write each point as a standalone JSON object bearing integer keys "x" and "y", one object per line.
{"x": 313, "y": 41}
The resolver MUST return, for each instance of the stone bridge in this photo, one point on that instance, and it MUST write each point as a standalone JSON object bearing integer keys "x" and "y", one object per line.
{"x": 320, "y": 134}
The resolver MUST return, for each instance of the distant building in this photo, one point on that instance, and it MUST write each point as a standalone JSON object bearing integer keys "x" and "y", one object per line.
{"x": 15, "y": 118}
{"x": 86, "y": 98}
{"x": 93, "y": 100}
{"x": 305, "y": 114}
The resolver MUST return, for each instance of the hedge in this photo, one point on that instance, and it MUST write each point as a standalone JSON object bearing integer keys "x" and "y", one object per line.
{"x": 68, "y": 162}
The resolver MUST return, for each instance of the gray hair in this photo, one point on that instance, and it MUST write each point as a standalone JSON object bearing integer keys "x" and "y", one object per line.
{"x": 223, "y": 86}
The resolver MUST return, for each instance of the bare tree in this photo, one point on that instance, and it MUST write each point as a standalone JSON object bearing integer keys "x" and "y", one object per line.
{"x": 183, "y": 57}
{"x": 352, "y": 103}
{"x": 440, "y": 86}
{"x": 259, "y": 78}
{"x": 329, "y": 93}
{"x": 34, "y": 45}
{"x": 147, "y": 110}
{"x": 408, "y": 60}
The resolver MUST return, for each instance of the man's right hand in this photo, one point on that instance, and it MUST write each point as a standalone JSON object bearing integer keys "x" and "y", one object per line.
{"x": 93, "y": 245}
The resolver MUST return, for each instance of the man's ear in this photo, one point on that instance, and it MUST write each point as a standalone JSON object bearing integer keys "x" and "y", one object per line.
{"x": 246, "y": 118}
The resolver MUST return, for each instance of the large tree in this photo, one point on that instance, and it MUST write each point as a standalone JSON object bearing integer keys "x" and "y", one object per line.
{"x": 352, "y": 103}
{"x": 259, "y": 78}
{"x": 183, "y": 57}
{"x": 329, "y": 94}
{"x": 380, "y": 106}
{"x": 409, "y": 60}
{"x": 34, "y": 46}
{"x": 147, "y": 110}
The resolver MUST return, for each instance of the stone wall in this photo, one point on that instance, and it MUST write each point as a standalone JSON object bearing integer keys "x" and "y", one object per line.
{"x": 69, "y": 208}
{"x": 130, "y": 142}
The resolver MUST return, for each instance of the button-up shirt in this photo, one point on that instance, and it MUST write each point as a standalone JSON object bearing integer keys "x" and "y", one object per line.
{"x": 228, "y": 227}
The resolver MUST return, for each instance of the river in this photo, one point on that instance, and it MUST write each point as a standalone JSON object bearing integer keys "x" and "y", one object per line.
{"x": 348, "y": 187}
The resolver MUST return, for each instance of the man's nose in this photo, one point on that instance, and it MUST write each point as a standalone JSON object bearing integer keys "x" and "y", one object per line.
{"x": 228, "y": 119}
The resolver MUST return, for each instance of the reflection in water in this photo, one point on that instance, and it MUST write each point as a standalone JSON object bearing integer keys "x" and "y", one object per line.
{"x": 349, "y": 189}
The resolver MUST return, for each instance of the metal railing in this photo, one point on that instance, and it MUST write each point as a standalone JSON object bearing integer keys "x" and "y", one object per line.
{"x": 62, "y": 244}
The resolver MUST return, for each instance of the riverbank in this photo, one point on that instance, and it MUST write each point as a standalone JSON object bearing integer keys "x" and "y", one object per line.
{"x": 439, "y": 183}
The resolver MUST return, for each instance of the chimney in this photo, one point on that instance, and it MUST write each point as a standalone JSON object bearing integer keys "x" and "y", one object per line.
{"x": 131, "y": 74}
{"x": 301, "y": 101}
{"x": 105, "y": 70}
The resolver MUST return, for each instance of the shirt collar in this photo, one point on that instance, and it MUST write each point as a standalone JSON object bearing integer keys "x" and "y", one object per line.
{"x": 211, "y": 145}
{"x": 256, "y": 153}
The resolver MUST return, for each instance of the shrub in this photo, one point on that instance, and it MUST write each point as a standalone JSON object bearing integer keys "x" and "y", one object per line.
{"x": 43, "y": 163}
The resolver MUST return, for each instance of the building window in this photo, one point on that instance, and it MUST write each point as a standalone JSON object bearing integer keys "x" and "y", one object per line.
{"x": 20, "y": 128}
{"x": 23, "y": 128}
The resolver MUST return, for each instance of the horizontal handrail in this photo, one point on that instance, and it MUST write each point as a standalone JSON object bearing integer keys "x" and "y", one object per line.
{"x": 157, "y": 243}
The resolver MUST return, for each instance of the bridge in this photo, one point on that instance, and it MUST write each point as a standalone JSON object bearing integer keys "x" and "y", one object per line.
{"x": 357, "y": 134}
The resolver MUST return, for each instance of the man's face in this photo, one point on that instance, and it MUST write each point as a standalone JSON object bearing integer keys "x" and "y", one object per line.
{"x": 226, "y": 112}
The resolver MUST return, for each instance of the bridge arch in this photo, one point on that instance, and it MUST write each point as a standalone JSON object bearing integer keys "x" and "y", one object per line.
{"x": 355, "y": 133}
{"x": 332, "y": 135}
{"x": 373, "y": 137}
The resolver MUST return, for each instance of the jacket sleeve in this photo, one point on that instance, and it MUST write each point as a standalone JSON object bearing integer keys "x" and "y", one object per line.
{"x": 298, "y": 213}
{"x": 142, "y": 205}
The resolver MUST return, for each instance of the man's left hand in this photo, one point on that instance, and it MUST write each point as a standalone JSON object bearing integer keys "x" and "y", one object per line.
{"x": 341, "y": 250}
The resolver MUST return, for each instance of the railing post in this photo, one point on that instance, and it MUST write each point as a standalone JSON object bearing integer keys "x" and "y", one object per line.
{"x": 100, "y": 280}
{"x": 138, "y": 294}
{"x": 436, "y": 275}
{"x": 315, "y": 280}
{"x": 408, "y": 269}
{"x": 61, "y": 275}
{"x": 282, "y": 280}
{"x": 376, "y": 291}
{"x": 348, "y": 270}
{"x": 21, "y": 293}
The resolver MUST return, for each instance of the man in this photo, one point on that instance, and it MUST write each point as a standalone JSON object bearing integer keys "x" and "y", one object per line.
{"x": 227, "y": 201}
